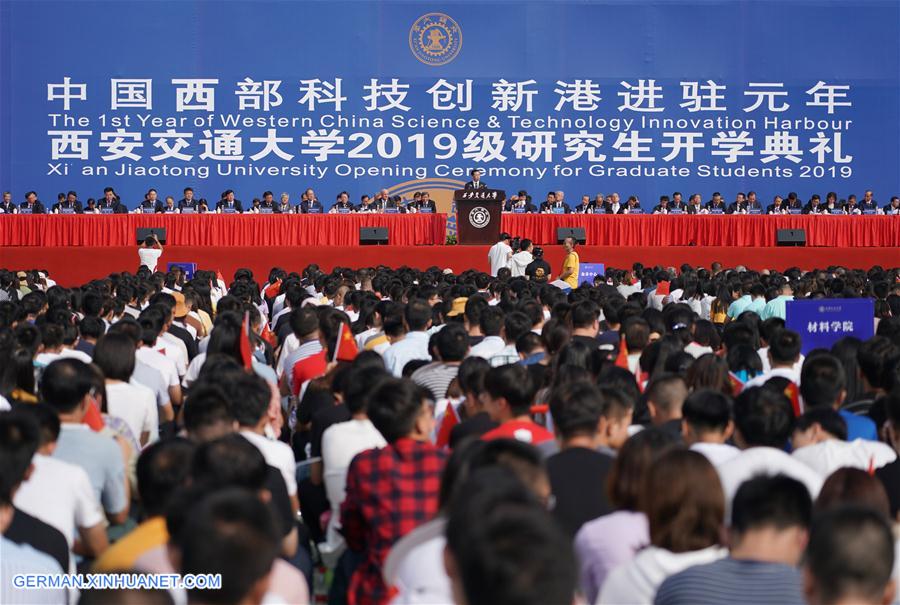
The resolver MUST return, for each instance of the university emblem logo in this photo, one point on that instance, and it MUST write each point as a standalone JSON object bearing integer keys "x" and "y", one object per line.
{"x": 479, "y": 217}
{"x": 435, "y": 39}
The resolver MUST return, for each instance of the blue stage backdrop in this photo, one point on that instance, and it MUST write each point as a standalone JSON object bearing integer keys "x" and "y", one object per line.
{"x": 637, "y": 97}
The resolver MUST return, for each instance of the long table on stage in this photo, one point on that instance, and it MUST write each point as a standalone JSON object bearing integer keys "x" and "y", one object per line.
{"x": 707, "y": 230}
{"x": 219, "y": 229}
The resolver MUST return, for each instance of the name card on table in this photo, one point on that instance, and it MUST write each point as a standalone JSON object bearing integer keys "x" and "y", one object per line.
{"x": 107, "y": 211}
{"x": 265, "y": 210}
{"x": 148, "y": 209}
{"x": 187, "y": 210}
{"x": 227, "y": 210}
{"x": 313, "y": 211}
{"x": 754, "y": 211}
{"x": 392, "y": 211}
{"x": 67, "y": 211}
{"x": 557, "y": 210}
{"x": 824, "y": 321}
{"x": 343, "y": 210}
{"x": 795, "y": 211}
{"x": 26, "y": 211}
{"x": 716, "y": 211}
{"x": 425, "y": 210}
{"x": 869, "y": 211}
{"x": 676, "y": 211}
{"x": 635, "y": 211}
{"x": 518, "y": 210}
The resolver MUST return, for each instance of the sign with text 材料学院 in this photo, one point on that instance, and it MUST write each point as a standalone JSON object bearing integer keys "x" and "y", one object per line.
{"x": 822, "y": 322}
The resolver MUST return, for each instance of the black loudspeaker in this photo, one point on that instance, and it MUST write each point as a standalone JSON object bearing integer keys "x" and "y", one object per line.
{"x": 373, "y": 236}
{"x": 790, "y": 237}
{"x": 144, "y": 232}
{"x": 575, "y": 232}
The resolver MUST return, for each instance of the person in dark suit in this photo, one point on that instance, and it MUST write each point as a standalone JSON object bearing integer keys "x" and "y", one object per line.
{"x": 7, "y": 206}
{"x": 716, "y": 204}
{"x": 520, "y": 204}
{"x": 343, "y": 204}
{"x": 893, "y": 208}
{"x": 814, "y": 206}
{"x": 395, "y": 202}
{"x": 168, "y": 207}
{"x": 284, "y": 205}
{"x": 553, "y": 205}
{"x": 426, "y": 203}
{"x": 266, "y": 204}
{"x": 695, "y": 205}
{"x": 632, "y": 206}
{"x": 677, "y": 204}
{"x": 476, "y": 182}
{"x": 189, "y": 202}
{"x": 229, "y": 205}
{"x": 663, "y": 206}
{"x": 366, "y": 204}
{"x": 852, "y": 206}
{"x": 32, "y": 205}
{"x": 311, "y": 205}
{"x": 777, "y": 206}
{"x": 150, "y": 204}
{"x": 69, "y": 204}
{"x": 110, "y": 202}
{"x": 753, "y": 205}
{"x": 585, "y": 206}
{"x": 868, "y": 203}
{"x": 738, "y": 206}
{"x": 793, "y": 203}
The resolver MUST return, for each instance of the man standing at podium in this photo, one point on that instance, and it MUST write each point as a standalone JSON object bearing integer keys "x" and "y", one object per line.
{"x": 569, "y": 273}
{"x": 476, "y": 182}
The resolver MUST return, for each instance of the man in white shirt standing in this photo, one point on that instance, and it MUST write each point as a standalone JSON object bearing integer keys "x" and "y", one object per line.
{"x": 414, "y": 345}
{"x": 500, "y": 254}
{"x": 150, "y": 251}
{"x": 706, "y": 425}
{"x": 491, "y": 323}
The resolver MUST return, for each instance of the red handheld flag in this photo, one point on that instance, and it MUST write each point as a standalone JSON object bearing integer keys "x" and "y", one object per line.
{"x": 268, "y": 335}
{"x": 273, "y": 290}
{"x": 793, "y": 393}
{"x": 622, "y": 357}
{"x": 246, "y": 354}
{"x": 345, "y": 349}
{"x": 663, "y": 288}
{"x": 450, "y": 420}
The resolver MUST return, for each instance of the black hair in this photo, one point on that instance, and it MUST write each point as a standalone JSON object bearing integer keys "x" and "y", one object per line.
{"x": 490, "y": 320}
{"x": 821, "y": 380}
{"x": 64, "y": 384}
{"x": 576, "y": 409}
{"x": 471, "y": 374}
{"x": 830, "y": 421}
{"x": 163, "y": 467}
{"x": 511, "y": 382}
{"x": 784, "y": 346}
{"x": 395, "y": 406}
{"x": 249, "y": 397}
{"x": 19, "y": 438}
{"x": 360, "y": 381}
{"x": 114, "y": 354}
{"x": 230, "y": 460}
{"x": 763, "y": 501}
{"x": 763, "y": 417}
{"x": 417, "y": 315}
{"x": 206, "y": 406}
{"x": 452, "y": 342}
{"x": 707, "y": 410}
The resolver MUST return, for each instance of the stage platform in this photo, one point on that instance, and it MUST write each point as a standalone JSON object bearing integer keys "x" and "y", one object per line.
{"x": 71, "y": 266}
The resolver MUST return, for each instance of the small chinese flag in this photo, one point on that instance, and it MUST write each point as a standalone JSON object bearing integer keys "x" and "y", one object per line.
{"x": 219, "y": 276}
{"x": 662, "y": 288}
{"x": 93, "y": 418}
{"x": 793, "y": 393}
{"x": 450, "y": 420}
{"x": 268, "y": 335}
{"x": 871, "y": 470}
{"x": 273, "y": 290}
{"x": 622, "y": 357}
{"x": 737, "y": 385}
{"x": 308, "y": 368}
{"x": 246, "y": 353}
{"x": 345, "y": 349}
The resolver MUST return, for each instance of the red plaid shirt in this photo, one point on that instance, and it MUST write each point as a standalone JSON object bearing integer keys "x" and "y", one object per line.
{"x": 390, "y": 492}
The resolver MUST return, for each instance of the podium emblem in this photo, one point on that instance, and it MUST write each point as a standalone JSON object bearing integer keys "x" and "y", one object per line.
{"x": 479, "y": 217}
{"x": 435, "y": 39}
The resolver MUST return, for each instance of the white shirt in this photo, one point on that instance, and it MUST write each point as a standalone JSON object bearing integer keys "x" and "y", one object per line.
{"x": 789, "y": 373}
{"x": 136, "y": 405}
{"x": 60, "y": 494}
{"x": 158, "y": 361}
{"x": 149, "y": 257}
{"x": 697, "y": 350}
{"x": 828, "y": 456}
{"x": 413, "y": 346}
{"x": 766, "y": 365}
{"x": 487, "y": 348}
{"x": 638, "y": 580}
{"x": 153, "y": 379}
{"x": 75, "y": 354}
{"x": 340, "y": 443}
{"x": 716, "y": 453}
{"x": 498, "y": 256}
{"x": 518, "y": 263}
{"x": 764, "y": 461}
{"x": 277, "y": 454}
{"x": 173, "y": 347}
{"x": 415, "y": 566}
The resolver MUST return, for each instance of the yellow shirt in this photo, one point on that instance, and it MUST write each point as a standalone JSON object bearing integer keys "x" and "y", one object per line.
{"x": 148, "y": 535}
{"x": 571, "y": 261}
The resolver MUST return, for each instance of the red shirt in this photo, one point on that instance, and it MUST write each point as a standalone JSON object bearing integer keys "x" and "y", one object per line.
{"x": 390, "y": 492}
{"x": 307, "y": 369}
{"x": 521, "y": 430}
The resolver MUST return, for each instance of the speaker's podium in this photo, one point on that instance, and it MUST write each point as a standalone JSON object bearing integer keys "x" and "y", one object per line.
{"x": 478, "y": 215}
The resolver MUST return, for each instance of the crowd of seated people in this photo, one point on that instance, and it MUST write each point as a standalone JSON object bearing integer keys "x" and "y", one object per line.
{"x": 421, "y": 202}
{"x": 657, "y": 435}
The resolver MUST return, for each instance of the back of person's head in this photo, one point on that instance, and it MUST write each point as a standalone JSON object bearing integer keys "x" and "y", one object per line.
{"x": 395, "y": 408}
{"x": 634, "y": 459}
{"x": 576, "y": 409}
{"x": 359, "y": 384}
{"x": 584, "y": 314}
{"x": 249, "y": 397}
{"x": 667, "y": 394}
{"x": 162, "y": 468}
{"x": 878, "y": 359}
{"x": 516, "y": 325}
{"x": 637, "y": 334}
{"x": 452, "y": 342}
{"x": 19, "y": 438}
{"x": 230, "y": 461}
{"x": 784, "y": 347}
{"x": 505, "y": 548}
{"x": 827, "y": 419}
{"x": 514, "y": 384}
{"x": 849, "y": 558}
{"x": 852, "y": 486}
{"x": 231, "y": 533}
{"x": 763, "y": 418}
{"x": 417, "y": 315}
{"x": 91, "y": 327}
{"x": 64, "y": 384}
{"x": 778, "y": 502}
{"x": 822, "y": 381}
{"x": 304, "y": 321}
{"x": 706, "y": 410}
{"x": 684, "y": 502}
{"x": 207, "y": 414}
{"x": 114, "y": 354}
{"x": 491, "y": 321}
{"x": 471, "y": 374}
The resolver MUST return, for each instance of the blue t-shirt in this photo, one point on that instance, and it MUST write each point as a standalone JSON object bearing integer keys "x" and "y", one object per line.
{"x": 859, "y": 427}
{"x": 101, "y": 459}
{"x": 732, "y": 581}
